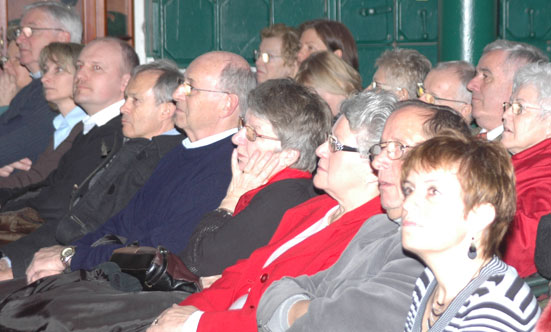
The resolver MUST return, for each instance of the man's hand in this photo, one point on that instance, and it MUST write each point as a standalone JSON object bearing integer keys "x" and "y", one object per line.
{"x": 46, "y": 262}
{"x": 172, "y": 319}
{"x": 23, "y": 165}
{"x": 5, "y": 270}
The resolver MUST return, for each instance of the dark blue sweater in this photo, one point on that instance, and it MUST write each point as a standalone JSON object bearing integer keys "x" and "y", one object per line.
{"x": 186, "y": 184}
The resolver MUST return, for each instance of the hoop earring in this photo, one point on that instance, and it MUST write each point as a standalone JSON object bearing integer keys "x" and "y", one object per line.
{"x": 472, "y": 250}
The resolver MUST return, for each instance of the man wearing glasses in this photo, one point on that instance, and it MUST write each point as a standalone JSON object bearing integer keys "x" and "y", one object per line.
{"x": 493, "y": 82}
{"x": 26, "y": 127}
{"x": 446, "y": 84}
{"x": 369, "y": 288}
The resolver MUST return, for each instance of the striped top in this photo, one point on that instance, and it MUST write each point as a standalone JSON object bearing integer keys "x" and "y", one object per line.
{"x": 496, "y": 300}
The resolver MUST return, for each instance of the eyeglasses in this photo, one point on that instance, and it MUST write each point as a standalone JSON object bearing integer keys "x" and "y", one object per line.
{"x": 335, "y": 146}
{"x": 264, "y": 56}
{"x": 518, "y": 108}
{"x": 431, "y": 98}
{"x": 188, "y": 88}
{"x": 378, "y": 85}
{"x": 28, "y": 31}
{"x": 395, "y": 150}
{"x": 250, "y": 133}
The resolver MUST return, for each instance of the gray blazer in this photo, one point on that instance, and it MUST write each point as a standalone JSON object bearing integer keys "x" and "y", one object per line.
{"x": 368, "y": 289}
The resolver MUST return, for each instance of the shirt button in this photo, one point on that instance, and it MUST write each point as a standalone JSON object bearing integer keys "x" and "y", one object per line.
{"x": 264, "y": 277}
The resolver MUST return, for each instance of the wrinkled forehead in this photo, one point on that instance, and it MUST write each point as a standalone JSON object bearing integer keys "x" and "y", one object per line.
{"x": 201, "y": 71}
{"x": 405, "y": 125}
{"x": 36, "y": 17}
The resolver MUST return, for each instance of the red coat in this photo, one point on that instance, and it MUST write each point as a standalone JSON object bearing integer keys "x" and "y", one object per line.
{"x": 316, "y": 253}
{"x": 533, "y": 176}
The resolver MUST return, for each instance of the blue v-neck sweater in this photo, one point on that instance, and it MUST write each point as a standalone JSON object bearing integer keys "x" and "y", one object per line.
{"x": 186, "y": 184}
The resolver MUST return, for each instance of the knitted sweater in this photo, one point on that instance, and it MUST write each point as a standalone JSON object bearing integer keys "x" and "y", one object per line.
{"x": 186, "y": 184}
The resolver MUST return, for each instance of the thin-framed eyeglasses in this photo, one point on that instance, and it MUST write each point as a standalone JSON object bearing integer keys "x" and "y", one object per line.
{"x": 335, "y": 146}
{"x": 251, "y": 133}
{"x": 395, "y": 150}
{"x": 264, "y": 56}
{"x": 378, "y": 85}
{"x": 431, "y": 98}
{"x": 28, "y": 31}
{"x": 188, "y": 88}
{"x": 517, "y": 108}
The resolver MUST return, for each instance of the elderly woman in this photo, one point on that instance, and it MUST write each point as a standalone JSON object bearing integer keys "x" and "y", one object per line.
{"x": 459, "y": 200}
{"x": 324, "y": 35}
{"x": 310, "y": 237}
{"x": 57, "y": 65}
{"x": 527, "y": 129}
{"x": 14, "y": 76}
{"x": 276, "y": 56}
{"x": 271, "y": 167}
{"x": 332, "y": 78}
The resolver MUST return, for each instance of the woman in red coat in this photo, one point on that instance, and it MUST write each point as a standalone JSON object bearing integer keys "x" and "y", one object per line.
{"x": 527, "y": 133}
{"x": 310, "y": 237}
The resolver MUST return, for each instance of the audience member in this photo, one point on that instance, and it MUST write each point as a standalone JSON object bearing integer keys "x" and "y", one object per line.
{"x": 283, "y": 125}
{"x": 26, "y": 127}
{"x": 103, "y": 69}
{"x": 527, "y": 133}
{"x": 369, "y": 287}
{"x": 13, "y": 76}
{"x": 197, "y": 173}
{"x": 310, "y": 236}
{"x": 332, "y": 78}
{"x": 148, "y": 128}
{"x": 446, "y": 84}
{"x": 399, "y": 71}
{"x": 493, "y": 82}
{"x": 57, "y": 63}
{"x": 459, "y": 200}
{"x": 324, "y": 35}
{"x": 276, "y": 56}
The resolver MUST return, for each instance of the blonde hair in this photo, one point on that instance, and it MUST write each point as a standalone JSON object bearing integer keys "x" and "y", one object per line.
{"x": 327, "y": 71}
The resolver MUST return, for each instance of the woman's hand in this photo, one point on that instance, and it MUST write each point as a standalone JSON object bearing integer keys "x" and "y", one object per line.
{"x": 24, "y": 164}
{"x": 259, "y": 169}
{"x": 7, "y": 87}
{"x": 206, "y": 282}
{"x": 172, "y": 319}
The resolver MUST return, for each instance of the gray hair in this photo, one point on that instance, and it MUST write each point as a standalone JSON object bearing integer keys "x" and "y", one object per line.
{"x": 238, "y": 80}
{"x": 516, "y": 52}
{"x": 367, "y": 113}
{"x": 66, "y": 18}
{"x": 404, "y": 68}
{"x": 298, "y": 115}
{"x": 465, "y": 71}
{"x": 537, "y": 75}
{"x": 167, "y": 82}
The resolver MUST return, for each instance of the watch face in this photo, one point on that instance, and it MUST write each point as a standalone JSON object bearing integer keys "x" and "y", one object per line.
{"x": 66, "y": 252}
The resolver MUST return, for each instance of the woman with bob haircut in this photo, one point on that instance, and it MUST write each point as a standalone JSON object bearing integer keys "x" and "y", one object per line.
{"x": 324, "y": 35}
{"x": 332, "y": 78}
{"x": 276, "y": 56}
{"x": 459, "y": 201}
{"x": 527, "y": 136}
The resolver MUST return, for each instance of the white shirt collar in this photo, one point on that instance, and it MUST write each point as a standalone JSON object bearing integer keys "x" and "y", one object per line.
{"x": 494, "y": 133}
{"x": 102, "y": 117}
{"x": 36, "y": 75}
{"x": 207, "y": 140}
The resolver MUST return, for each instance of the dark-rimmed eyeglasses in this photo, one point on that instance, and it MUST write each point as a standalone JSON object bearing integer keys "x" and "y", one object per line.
{"x": 517, "y": 108}
{"x": 28, "y": 31}
{"x": 395, "y": 150}
{"x": 188, "y": 88}
{"x": 264, "y": 56}
{"x": 335, "y": 146}
{"x": 251, "y": 133}
{"x": 431, "y": 98}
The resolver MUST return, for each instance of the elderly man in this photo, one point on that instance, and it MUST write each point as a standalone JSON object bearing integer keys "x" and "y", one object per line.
{"x": 399, "y": 71}
{"x": 103, "y": 70}
{"x": 148, "y": 125}
{"x": 369, "y": 288}
{"x": 26, "y": 128}
{"x": 188, "y": 182}
{"x": 446, "y": 84}
{"x": 493, "y": 82}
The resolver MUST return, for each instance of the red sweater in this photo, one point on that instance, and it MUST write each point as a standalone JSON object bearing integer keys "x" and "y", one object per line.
{"x": 316, "y": 253}
{"x": 533, "y": 176}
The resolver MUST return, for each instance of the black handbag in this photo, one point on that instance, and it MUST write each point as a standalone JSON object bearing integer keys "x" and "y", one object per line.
{"x": 156, "y": 269}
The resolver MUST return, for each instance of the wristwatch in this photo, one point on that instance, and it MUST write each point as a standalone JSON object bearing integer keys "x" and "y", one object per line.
{"x": 66, "y": 254}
